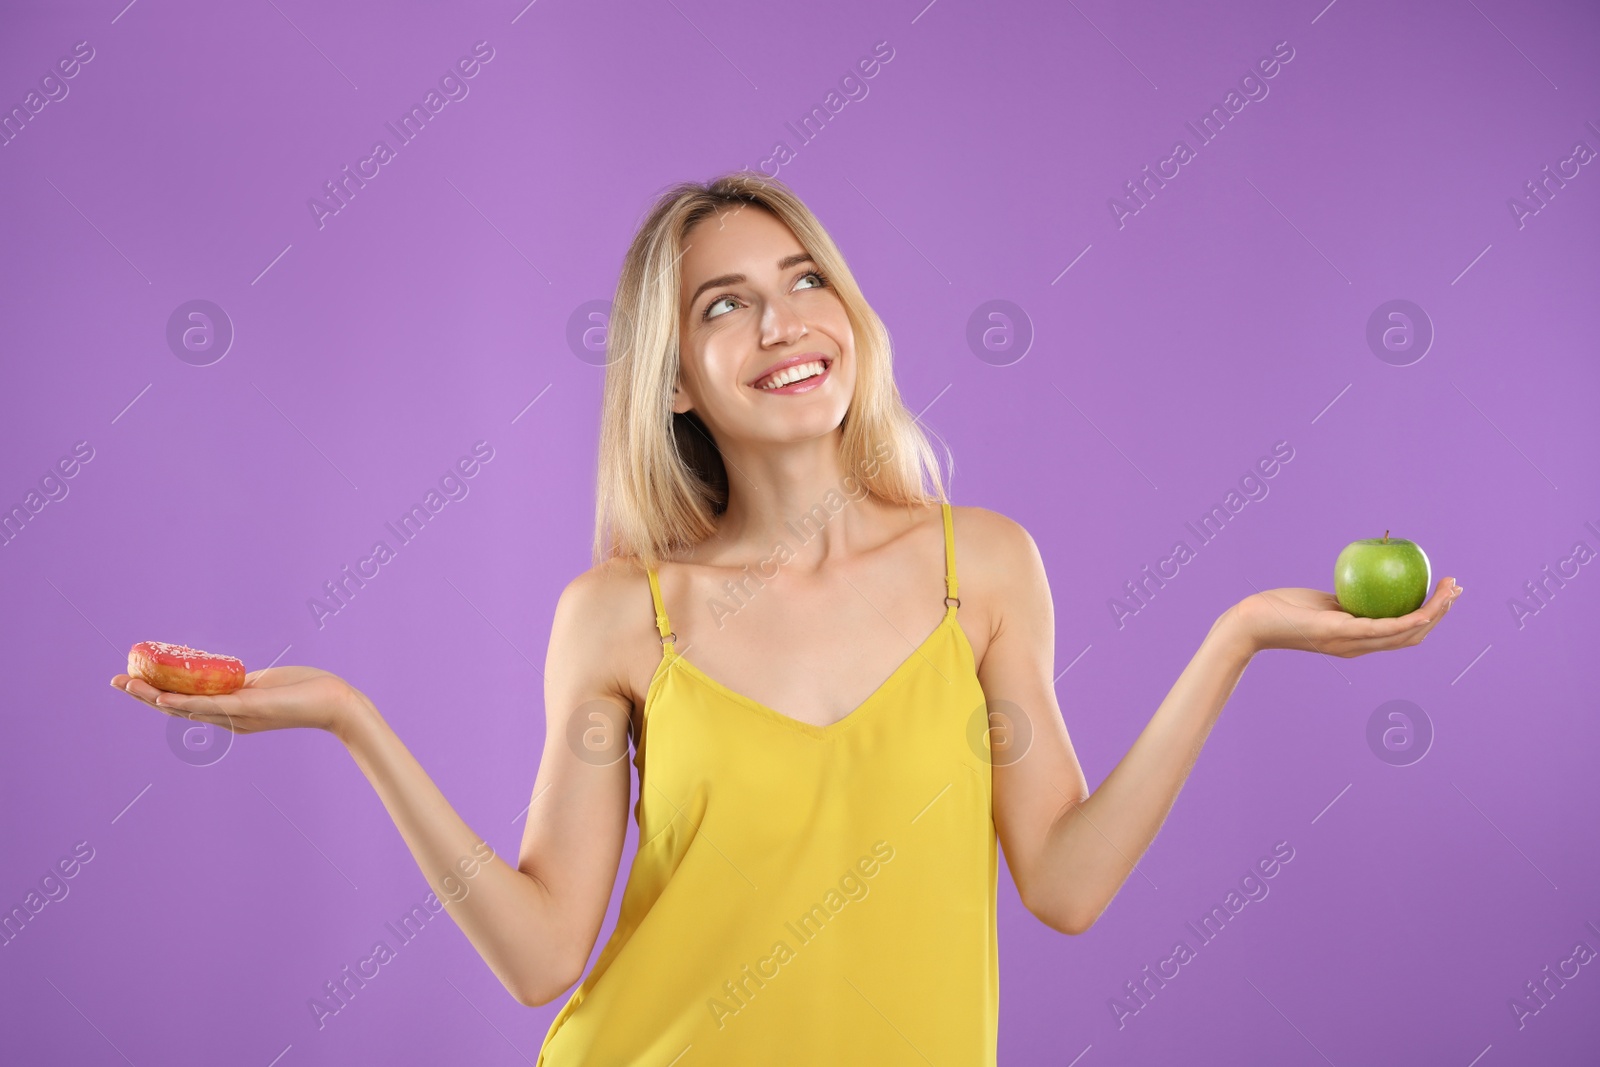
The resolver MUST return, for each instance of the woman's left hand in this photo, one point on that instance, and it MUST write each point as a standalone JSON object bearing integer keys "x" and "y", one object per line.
{"x": 1312, "y": 621}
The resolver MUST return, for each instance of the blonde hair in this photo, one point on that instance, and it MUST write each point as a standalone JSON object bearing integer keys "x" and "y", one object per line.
{"x": 660, "y": 481}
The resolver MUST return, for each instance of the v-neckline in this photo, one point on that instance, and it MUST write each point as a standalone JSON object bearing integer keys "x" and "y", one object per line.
{"x": 677, "y": 659}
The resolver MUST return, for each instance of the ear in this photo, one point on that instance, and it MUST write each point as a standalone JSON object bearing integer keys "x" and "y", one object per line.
{"x": 681, "y": 401}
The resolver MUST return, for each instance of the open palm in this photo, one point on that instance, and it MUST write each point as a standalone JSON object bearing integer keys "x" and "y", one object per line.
{"x": 274, "y": 698}
{"x": 1312, "y": 621}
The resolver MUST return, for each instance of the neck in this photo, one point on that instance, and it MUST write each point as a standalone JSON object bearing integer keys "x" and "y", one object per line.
{"x": 798, "y": 494}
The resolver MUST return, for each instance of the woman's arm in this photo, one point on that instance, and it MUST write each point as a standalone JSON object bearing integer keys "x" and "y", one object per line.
{"x": 1092, "y": 841}
{"x": 1068, "y": 850}
{"x": 508, "y": 913}
{"x": 535, "y": 922}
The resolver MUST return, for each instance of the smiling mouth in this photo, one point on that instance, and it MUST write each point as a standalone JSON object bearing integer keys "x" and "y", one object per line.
{"x": 782, "y": 380}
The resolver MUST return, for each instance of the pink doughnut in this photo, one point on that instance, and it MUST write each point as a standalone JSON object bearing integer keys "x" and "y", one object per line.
{"x": 181, "y": 669}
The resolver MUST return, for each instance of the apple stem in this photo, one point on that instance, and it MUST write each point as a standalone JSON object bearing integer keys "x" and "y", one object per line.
{"x": 1386, "y": 537}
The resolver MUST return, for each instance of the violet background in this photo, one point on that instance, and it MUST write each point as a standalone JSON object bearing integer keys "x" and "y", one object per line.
{"x": 1229, "y": 314}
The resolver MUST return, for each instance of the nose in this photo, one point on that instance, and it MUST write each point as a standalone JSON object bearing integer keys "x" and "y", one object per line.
{"x": 780, "y": 325}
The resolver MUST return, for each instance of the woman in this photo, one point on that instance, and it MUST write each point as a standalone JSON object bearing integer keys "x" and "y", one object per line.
{"x": 823, "y": 783}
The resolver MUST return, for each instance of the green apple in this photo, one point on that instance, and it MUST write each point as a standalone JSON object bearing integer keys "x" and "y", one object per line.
{"x": 1381, "y": 578}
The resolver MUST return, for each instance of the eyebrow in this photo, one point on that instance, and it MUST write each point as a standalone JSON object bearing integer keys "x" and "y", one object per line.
{"x": 734, "y": 279}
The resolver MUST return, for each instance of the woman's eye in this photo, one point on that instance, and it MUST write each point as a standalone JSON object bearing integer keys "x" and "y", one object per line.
{"x": 821, "y": 278}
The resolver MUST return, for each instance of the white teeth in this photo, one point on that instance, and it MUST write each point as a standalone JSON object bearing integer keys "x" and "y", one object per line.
{"x": 790, "y": 375}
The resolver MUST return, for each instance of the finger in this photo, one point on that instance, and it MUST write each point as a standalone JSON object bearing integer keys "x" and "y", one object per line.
{"x": 1413, "y": 634}
{"x": 1455, "y": 593}
{"x": 190, "y": 708}
{"x": 1422, "y": 632}
{"x": 1425, "y": 617}
{"x": 126, "y": 684}
{"x": 139, "y": 690}
{"x": 1358, "y": 628}
{"x": 1420, "y": 623}
{"x": 218, "y": 720}
{"x": 176, "y": 713}
{"x": 1362, "y": 636}
{"x": 1435, "y": 609}
{"x": 202, "y": 708}
{"x": 142, "y": 689}
{"x": 1431, "y": 608}
{"x": 168, "y": 703}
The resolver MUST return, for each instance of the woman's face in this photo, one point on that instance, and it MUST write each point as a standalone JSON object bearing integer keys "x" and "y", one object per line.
{"x": 753, "y": 301}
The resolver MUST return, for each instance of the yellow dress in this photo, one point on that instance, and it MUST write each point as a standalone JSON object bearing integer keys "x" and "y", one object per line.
{"x": 804, "y": 894}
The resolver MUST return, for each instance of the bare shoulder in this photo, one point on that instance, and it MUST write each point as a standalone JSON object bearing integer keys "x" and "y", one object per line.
{"x": 602, "y": 618}
{"x": 1000, "y": 572}
{"x": 994, "y": 549}
{"x": 601, "y": 589}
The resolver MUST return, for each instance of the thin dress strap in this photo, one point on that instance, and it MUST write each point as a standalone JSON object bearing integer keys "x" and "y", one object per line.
{"x": 949, "y": 560}
{"x": 662, "y": 624}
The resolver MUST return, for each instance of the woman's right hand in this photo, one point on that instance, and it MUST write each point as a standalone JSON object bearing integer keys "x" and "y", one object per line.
{"x": 273, "y": 698}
